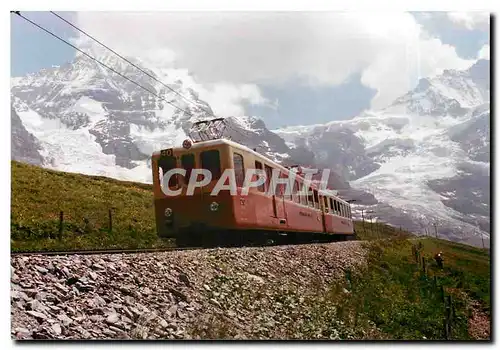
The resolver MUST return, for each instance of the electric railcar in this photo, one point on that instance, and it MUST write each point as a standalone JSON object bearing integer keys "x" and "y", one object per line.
{"x": 225, "y": 219}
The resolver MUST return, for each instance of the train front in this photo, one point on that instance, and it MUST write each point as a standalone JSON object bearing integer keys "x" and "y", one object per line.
{"x": 185, "y": 214}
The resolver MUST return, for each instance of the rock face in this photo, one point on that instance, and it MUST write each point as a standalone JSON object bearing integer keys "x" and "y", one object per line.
{"x": 82, "y": 118}
{"x": 174, "y": 295}
{"x": 25, "y": 147}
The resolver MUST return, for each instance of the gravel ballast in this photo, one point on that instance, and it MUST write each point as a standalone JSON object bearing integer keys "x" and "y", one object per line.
{"x": 242, "y": 293}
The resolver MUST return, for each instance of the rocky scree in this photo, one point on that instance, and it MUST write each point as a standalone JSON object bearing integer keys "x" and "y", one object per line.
{"x": 245, "y": 293}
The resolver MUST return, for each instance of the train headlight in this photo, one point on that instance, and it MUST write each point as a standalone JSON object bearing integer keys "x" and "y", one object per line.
{"x": 214, "y": 206}
{"x": 168, "y": 212}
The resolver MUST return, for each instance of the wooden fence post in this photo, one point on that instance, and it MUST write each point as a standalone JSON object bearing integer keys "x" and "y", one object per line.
{"x": 448, "y": 316}
{"x": 61, "y": 224}
{"x": 445, "y": 329}
{"x": 449, "y": 319}
{"x": 110, "y": 214}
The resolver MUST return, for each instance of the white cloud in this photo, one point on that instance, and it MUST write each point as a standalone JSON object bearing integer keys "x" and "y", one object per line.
{"x": 227, "y": 99}
{"x": 471, "y": 20}
{"x": 234, "y": 51}
{"x": 422, "y": 58}
{"x": 484, "y": 52}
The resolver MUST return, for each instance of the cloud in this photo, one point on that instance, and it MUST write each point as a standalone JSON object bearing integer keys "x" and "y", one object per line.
{"x": 229, "y": 99}
{"x": 423, "y": 58}
{"x": 484, "y": 52}
{"x": 471, "y": 20}
{"x": 233, "y": 52}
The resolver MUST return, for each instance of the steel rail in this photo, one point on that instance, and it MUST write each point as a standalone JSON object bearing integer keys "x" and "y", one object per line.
{"x": 103, "y": 251}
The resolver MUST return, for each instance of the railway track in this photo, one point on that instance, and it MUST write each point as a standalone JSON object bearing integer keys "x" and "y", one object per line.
{"x": 159, "y": 250}
{"x": 144, "y": 250}
{"x": 104, "y": 251}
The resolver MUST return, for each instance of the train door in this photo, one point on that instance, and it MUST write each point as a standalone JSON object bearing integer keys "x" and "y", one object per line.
{"x": 280, "y": 200}
{"x": 241, "y": 205}
{"x": 277, "y": 196}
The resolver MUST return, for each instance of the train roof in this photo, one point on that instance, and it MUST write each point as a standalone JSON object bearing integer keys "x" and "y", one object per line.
{"x": 210, "y": 143}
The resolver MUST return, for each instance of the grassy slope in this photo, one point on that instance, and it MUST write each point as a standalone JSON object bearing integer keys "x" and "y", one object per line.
{"x": 370, "y": 231}
{"x": 38, "y": 195}
{"x": 395, "y": 297}
{"x": 404, "y": 303}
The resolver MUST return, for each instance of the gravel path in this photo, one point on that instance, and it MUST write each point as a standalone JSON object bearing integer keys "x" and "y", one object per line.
{"x": 243, "y": 293}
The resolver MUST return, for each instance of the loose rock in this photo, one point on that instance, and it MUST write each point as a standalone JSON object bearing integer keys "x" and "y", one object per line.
{"x": 254, "y": 292}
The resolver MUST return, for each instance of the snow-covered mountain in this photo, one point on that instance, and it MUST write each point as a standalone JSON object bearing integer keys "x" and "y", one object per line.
{"x": 89, "y": 120}
{"x": 425, "y": 157}
{"x": 80, "y": 117}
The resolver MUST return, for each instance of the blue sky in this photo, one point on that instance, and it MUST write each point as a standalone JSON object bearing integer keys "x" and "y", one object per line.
{"x": 317, "y": 104}
{"x": 299, "y": 103}
{"x": 32, "y": 49}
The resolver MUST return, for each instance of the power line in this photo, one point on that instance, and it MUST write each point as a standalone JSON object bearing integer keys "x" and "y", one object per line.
{"x": 128, "y": 61}
{"x": 139, "y": 68}
{"x": 120, "y": 74}
{"x": 101, "y": 63}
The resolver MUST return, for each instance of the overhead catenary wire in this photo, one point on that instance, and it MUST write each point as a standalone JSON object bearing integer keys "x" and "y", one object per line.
{"x": 140, "y": 69}
{"x": 122, "y": 75}
{"x": 129, "y": 62}
{"x": 101, "y": 63}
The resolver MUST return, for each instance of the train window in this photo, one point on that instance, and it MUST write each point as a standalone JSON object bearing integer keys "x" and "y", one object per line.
{"x": 296, "y": 194}
{"x": 269, "y": 174}
{"x": 210, "y": 160}
{"x": 325, "y": 203}
{"x": 342, "y": 210}
{"x": 167, "y": 163}
{"x": 187, "y": 161}
{"x": 280, "y": 188}
{"x": 258, "y": 165}
{"x": 337, "y": 209}
{"x": 286, "y": 190}
{"x": 239, "y": 169}
{"x": 316, "y": 199}
{"x": 331, "y": 204}
{"x": 302, "y": 194}
{"x": 310, "y": 199}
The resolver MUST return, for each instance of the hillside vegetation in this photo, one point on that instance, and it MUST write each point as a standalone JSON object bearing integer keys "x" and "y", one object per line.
{"x": 38, "y": 196}
{"x": 407, "y": 298}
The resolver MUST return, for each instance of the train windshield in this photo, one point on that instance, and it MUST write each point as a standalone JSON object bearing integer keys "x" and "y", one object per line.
{"x": 210, "y": 160}
{"x": 166, "y": 163}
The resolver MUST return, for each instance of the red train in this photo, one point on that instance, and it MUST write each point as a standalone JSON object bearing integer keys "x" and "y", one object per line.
{"x": 256, "y": 218}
